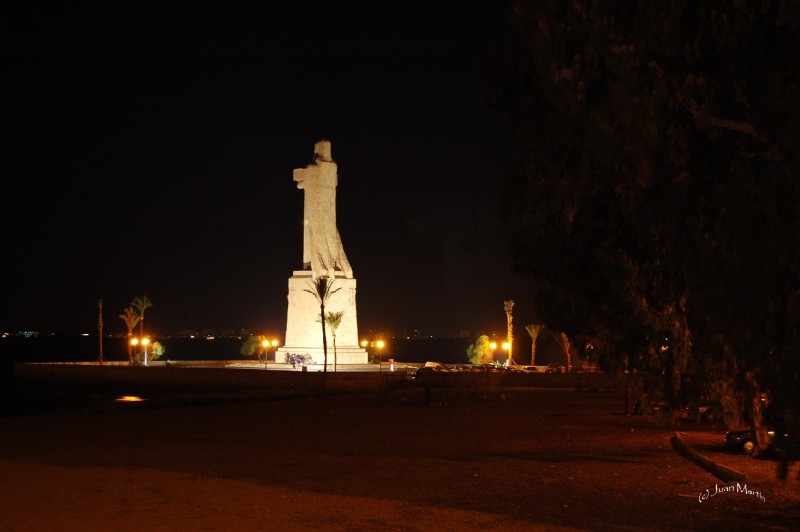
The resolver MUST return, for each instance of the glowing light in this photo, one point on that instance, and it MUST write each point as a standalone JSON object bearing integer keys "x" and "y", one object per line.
{"x": 379, "y": 344}
{"x": 364, "y": 343}
{"x": 129, "y": 399}
{"x": 493, "y": 345}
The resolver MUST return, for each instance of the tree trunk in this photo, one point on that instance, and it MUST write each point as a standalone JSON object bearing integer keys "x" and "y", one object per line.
{"x": 566, "y": 345}
{"x": 757, "y": 418}
{"x": 100, "y": 329}
{"x": 324, "y": 338}
{"x": 130, "y": 348}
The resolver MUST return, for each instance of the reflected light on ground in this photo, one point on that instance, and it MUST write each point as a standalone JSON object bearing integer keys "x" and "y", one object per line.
{"x": 129, "y": 399}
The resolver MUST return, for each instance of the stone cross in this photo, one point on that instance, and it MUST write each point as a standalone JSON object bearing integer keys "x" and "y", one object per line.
{"x": 323, "y": 252}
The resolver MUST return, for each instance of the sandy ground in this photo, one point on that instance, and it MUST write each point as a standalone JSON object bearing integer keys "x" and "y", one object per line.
{"x": 528, "y": 459}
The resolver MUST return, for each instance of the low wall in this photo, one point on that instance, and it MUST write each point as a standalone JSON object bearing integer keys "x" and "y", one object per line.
{"x": 578, "y": 381}
{"x": 208, "y": 378}
{"x": 217, "y": 378}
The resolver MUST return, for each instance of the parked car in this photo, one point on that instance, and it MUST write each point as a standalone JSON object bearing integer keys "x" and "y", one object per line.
{"x": 740, "y": 441}
{"x": 462, "y": 367}
{"x": 429, "y": 370}
{"x": 554, "y": 367}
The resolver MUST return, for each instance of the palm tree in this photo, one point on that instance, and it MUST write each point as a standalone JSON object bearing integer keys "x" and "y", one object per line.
{"x": 334, "y": 319}
{"x": 508, "y": 305}
{"x": 534, "y": 330}
{"x": 566, "y": 346}
{"x": 321, "y": 290}
{"x": 131, "y": 319}
{"x": 141, "y": 304}
{"x": 100, "y": 329}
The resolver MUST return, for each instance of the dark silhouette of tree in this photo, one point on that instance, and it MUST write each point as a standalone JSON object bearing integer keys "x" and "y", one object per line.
{"x": 100, "y": 330}
{"x": 140, "y": 304}
{"x": 131, "y": 320}
{"x": 533, "y": 330}
{"x": 321, "y": 289}
{"x": 655, "y": 194}
{"x": 333, "y": 320}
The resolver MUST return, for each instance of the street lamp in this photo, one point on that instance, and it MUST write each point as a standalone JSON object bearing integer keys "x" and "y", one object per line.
{"x": 265, "y": 346}
{"x": 506, "y": 347}
{"x": 379, "y": 345}
{"x": 145, "y": 341}
{"x": 493, "y": 346}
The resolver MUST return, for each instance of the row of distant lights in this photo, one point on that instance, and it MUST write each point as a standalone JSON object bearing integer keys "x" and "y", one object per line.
{"x": 24, "y": 334}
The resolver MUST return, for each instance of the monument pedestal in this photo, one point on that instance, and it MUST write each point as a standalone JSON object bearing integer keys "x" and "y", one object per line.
{"x": 303, "y": 328}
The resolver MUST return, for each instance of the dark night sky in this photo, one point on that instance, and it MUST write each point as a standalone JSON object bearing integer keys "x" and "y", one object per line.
{"x": 151, "y": 148}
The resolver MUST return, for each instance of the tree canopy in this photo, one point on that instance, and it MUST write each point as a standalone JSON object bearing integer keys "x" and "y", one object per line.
{"x": 655, "y": 193}
{"x": 480, "y": 352}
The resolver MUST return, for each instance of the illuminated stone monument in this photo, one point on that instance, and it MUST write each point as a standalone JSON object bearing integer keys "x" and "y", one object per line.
{"x": 323, "y": 256}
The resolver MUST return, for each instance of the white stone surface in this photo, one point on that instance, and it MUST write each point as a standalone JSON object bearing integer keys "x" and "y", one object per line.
{"x": 303, "y": 328}
{"x": 323, "y": 251}
{"x": 323, "y": 256}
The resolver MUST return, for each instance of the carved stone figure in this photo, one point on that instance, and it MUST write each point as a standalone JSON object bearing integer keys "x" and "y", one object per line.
{"x": 323, "y": 252}
{"x": 323, "y": 256}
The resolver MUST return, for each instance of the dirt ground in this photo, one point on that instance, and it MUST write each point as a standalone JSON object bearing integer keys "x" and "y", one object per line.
{"x": 520, "y": 459}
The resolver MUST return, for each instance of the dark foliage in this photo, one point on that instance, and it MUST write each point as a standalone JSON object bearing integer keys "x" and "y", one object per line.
{"x": 655, "y": 196}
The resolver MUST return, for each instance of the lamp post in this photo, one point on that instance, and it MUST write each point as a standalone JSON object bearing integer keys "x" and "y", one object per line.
{"x": 265, "y": 345}
{"x": 145, "y": 341}
{"x": 493, "y": 346}
{"x": 134, "y": 343}
{"x": 379, "y": 345}
{"x": 507, "y": 348}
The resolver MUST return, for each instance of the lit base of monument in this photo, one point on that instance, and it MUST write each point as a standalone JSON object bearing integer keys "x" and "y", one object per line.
{"x": 303, "y": 328}
{"x": 343, "y": 356}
